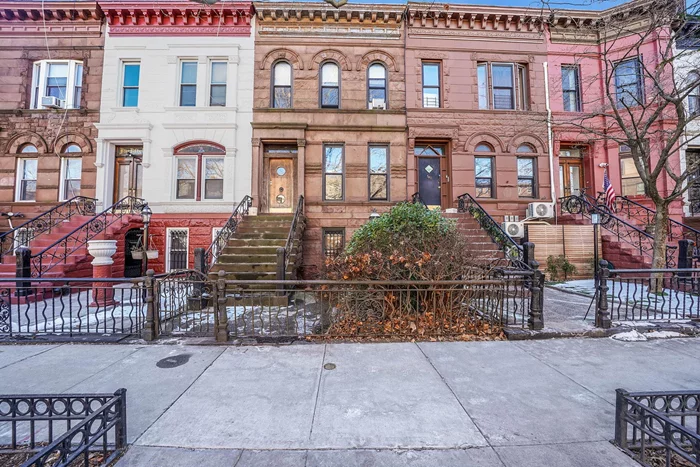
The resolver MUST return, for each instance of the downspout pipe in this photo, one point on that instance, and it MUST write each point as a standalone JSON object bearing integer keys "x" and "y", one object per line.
{"x": 550, "y": 136}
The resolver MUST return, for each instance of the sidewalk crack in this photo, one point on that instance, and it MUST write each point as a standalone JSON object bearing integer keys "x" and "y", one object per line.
{"x": 32, "y": 356}
{"x": 318, "y": 390}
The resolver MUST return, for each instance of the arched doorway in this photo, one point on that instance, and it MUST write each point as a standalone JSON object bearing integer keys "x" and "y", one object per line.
{"x": 132, "y": 241}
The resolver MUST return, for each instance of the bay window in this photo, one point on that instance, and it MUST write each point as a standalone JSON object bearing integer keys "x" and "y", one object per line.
{"x": 57, "y": 84}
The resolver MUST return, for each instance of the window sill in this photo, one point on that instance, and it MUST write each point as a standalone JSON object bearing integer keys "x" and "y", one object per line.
{"x": 327, "y": 110}
{"x": 216, "y": 108}
{"x": 125, "y": 109}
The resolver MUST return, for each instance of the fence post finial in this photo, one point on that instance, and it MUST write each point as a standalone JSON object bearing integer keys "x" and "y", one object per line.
{"x": 150, "y": 331}
{"x": 535, "y": 321}
{"x": 602, "y": 314}
{"x": 220, "y": 303}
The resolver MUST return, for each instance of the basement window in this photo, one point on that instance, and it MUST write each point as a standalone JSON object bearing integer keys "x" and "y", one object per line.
{"x": 333, "y": 242}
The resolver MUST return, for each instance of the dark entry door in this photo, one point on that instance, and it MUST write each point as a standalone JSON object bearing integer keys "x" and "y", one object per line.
{"x": 132, "y": 240}
{"x": 429, "y": 180}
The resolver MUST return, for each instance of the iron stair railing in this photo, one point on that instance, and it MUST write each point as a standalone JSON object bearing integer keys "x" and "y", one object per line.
{"x": 676, "y": 230}
{"x": 289, "y": 246}
{"x": 226, "y": 232}
{"x": 59, "y": 251}
{"x": 625, "y": 232}
{"x": 45, "y": 223}
{"x": 514, "y": 253}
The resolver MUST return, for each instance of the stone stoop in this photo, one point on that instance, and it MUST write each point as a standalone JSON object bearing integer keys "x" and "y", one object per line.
{"x": 251, "y": 254}
{"x": 483, "y": 248}
{"x": 78, "y": 263}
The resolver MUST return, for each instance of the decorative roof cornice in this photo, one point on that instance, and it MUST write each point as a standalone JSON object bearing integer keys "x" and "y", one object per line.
{"x": 178, "y": 17}
{"x": 322, "y": 13}
{"x": 477, "y": 17}
{"x": 60, "y": 18}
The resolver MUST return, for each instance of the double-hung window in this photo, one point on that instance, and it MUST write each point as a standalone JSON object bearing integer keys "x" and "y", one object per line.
{"x": 186, "y": 178}
{"x": 213, "y": 177}
{"x": 376, "y": 86}
{"x": 694, "y": 95}
{"x": 199, "y": 172}
{"x": 282, "y": 86}
{"x": 631, "y": 181}
{"x": 571, "y": 88}
{"x": 217, "y": 85}
{"x": 333, "y": 168}
{"x": 431, "y": 84}
{"x": 483, "y": 173}
{"x": 503, "y": 86}
{"x": 71, "y": 168}
{"x": 188, "y": 84}
{"x": 26, "y": 175}
{"x": 130, "y": 84}
{"x": 526, "y": 177}
{"x": 57, "y": 84}
{"x": 378, "y": 173}
{"x": 629, "y": 83}
{"x": 330, "y": 85}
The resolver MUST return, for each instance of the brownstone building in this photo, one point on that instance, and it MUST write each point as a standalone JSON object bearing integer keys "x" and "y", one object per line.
{"x": 329, "y": 117}
{"x": 51, "y": 74}
{"x": 476, "y": 106}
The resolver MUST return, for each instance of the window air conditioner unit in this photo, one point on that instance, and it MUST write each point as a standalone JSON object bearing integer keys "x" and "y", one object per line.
{"x": 514, "y": 229}
{"x": 540, "y": 210}
{"x": 52, "y": 102}
{"x": 378, "y": 104}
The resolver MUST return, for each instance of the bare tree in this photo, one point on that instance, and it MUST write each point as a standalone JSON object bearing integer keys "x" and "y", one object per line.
{"x": 648, "y": 67}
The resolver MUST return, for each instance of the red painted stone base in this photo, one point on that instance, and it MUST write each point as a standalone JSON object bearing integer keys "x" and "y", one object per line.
{"x": 102, "y": 292}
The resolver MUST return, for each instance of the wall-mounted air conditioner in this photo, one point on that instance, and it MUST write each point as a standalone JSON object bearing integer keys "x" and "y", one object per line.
{"x": 378, "y": 104}
{"x": 514, "y": 229}
{"x": 540, "y": 210}
{"x": 52, "y": 102}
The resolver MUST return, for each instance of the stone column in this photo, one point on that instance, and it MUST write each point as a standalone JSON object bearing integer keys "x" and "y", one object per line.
{"x": 102, "y": 252}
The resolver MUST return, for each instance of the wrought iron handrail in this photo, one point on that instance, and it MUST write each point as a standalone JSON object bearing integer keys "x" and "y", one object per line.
{"x": 224, "y": 235}
{"x": 45, "y": 222}
{"x": 625, "y": 232}
{"x": 298, "y": 213}
{"x": 686, "y": 231}
{"x": 59, "y": 251}
{"x": 514, "y": 252}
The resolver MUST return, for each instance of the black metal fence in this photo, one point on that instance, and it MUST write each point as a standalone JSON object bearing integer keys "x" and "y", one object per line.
{"x": 71, "y": 307}
{"x": 647, "y": 295}
{"x": 183, "y": 303}
{"x": 63, "y": 430}
{"x": 659, "y": 428}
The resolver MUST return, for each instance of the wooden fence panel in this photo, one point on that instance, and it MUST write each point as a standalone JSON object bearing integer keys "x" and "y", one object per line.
{"x": 575, "y": 242}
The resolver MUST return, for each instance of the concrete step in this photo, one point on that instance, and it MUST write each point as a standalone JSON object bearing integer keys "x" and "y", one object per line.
{"x": 244, "y": 229}
{"x": 249, "y": 258}
{"x": 248, "y": 276}
{"x": 262, "y": 235}
{"x": 270, "y": 217}
{"x": 257, "y": 242}
{"x": 252, "y": 267}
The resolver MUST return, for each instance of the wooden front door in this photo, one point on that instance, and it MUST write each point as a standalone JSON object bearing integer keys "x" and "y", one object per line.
{"x": 128, "y": 172}
{"x": 280, "y": 194}
{"x": 570, "y": 177}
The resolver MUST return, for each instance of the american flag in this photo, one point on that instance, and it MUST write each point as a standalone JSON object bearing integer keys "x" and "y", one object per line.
{"x": 609, "y": 192}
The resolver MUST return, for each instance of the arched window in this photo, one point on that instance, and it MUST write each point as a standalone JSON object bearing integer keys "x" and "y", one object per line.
{"x": 484, "y": 172}
{"x": 28, "y": 149}
{"x": 525, "y": 148}
{"x": 527, "y": 172}
{"x": 71, "y": 170}
{"x": 694, "y": 96}
{"x": 483, "y": 147}
{"x": 376, "y": 86}
{"x": 282, "y": 85}
{"x": 330, "y": 85}
{"x": 199, "y": 169}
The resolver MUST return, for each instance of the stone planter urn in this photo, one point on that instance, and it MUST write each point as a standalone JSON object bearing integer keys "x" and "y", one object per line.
{"x": 102, "y": 251}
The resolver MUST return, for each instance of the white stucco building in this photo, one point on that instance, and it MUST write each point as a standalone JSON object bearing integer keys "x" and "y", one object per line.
{"x": 176, "y": 108}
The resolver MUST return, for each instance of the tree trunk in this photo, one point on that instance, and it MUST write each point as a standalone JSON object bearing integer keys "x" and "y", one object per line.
{"x": 659, "y": 246}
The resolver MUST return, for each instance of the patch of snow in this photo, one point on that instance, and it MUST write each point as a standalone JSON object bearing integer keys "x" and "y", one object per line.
{"x": 629, "y": 336}
{"x": 663, "y": 334}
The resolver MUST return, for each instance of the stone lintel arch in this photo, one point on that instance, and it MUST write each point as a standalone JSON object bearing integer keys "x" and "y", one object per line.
{"x": 28, "y": 137}
{"x": 331, "y": 54}
{"x": 532, "y": 140}
{"x": 485, "y": 137}
{"x": 377, "y": 56}
{"x": 75, "y": 138}
{"x": 282, "y": 54}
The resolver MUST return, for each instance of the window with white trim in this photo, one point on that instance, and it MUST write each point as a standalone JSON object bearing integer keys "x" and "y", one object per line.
{"x": 57, "y": 84}
{"x": 199, "y": 171}
{"x": 503, "y": 86}
{"x": 217, "y": 84}
{"x": 26, "y": 179}
{"x": 188, "y": 84}
{"x": 130, "y": 84}
{"x": 177, "y": 249}
{"x": 71, "y": 168}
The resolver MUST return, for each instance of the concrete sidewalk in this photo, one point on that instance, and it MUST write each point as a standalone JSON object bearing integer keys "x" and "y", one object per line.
{"x": 531, "y": 403}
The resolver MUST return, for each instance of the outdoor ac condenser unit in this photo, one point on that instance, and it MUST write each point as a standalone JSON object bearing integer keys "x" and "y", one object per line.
{"x": 51, "y": 102}
{"x": 540, "y": 210}
{"x": 514, "y": 229}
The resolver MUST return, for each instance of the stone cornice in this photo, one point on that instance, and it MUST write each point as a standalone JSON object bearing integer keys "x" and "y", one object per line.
{"x": 321, "y": 13}
{"x": 178, "y": 17}
{"x": 477, "y": 17}
{"x": 58, "y": 18}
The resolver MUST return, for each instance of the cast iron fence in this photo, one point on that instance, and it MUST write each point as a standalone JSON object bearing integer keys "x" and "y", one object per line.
{"x": 659, "y": 428}
{"x": 514, "y": 253}
{"x": 647, "y": 295}
{"x": 297, "y": 223}
{"x": 622, "y": 231}
{"x": 63, "y": 430}
{"x": 226, "y": 232}
{"x": 59, "y": 251}
{"x": 183, "y": 302}
{"x": 22, "y": 235}
{"x": 645, "y": 215}
{"x": 71, "y": 307}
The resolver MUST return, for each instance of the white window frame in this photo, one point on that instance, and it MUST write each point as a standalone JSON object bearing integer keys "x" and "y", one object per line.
{"x": 210, "y": 84}
{"x": 168, "y": 246}
{"x": 122, "y": 76}
{"x": 174, "y": 187}
{"x": 180, "y": 83}
{"x": 18, "y": 179}
{"x": 39, "y": 82}
{"x": 202, "y": 177}
{"x": 64, "y": 171}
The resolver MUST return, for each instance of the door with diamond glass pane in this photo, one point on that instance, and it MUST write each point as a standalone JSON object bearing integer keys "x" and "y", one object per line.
{"x": 429, "y": 180}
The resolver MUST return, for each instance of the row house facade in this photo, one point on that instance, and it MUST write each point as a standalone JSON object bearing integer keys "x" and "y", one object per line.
{"x": 51, "y": 72}
{"x": 329, "y": 119}
{"x": 174, "y": 125}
